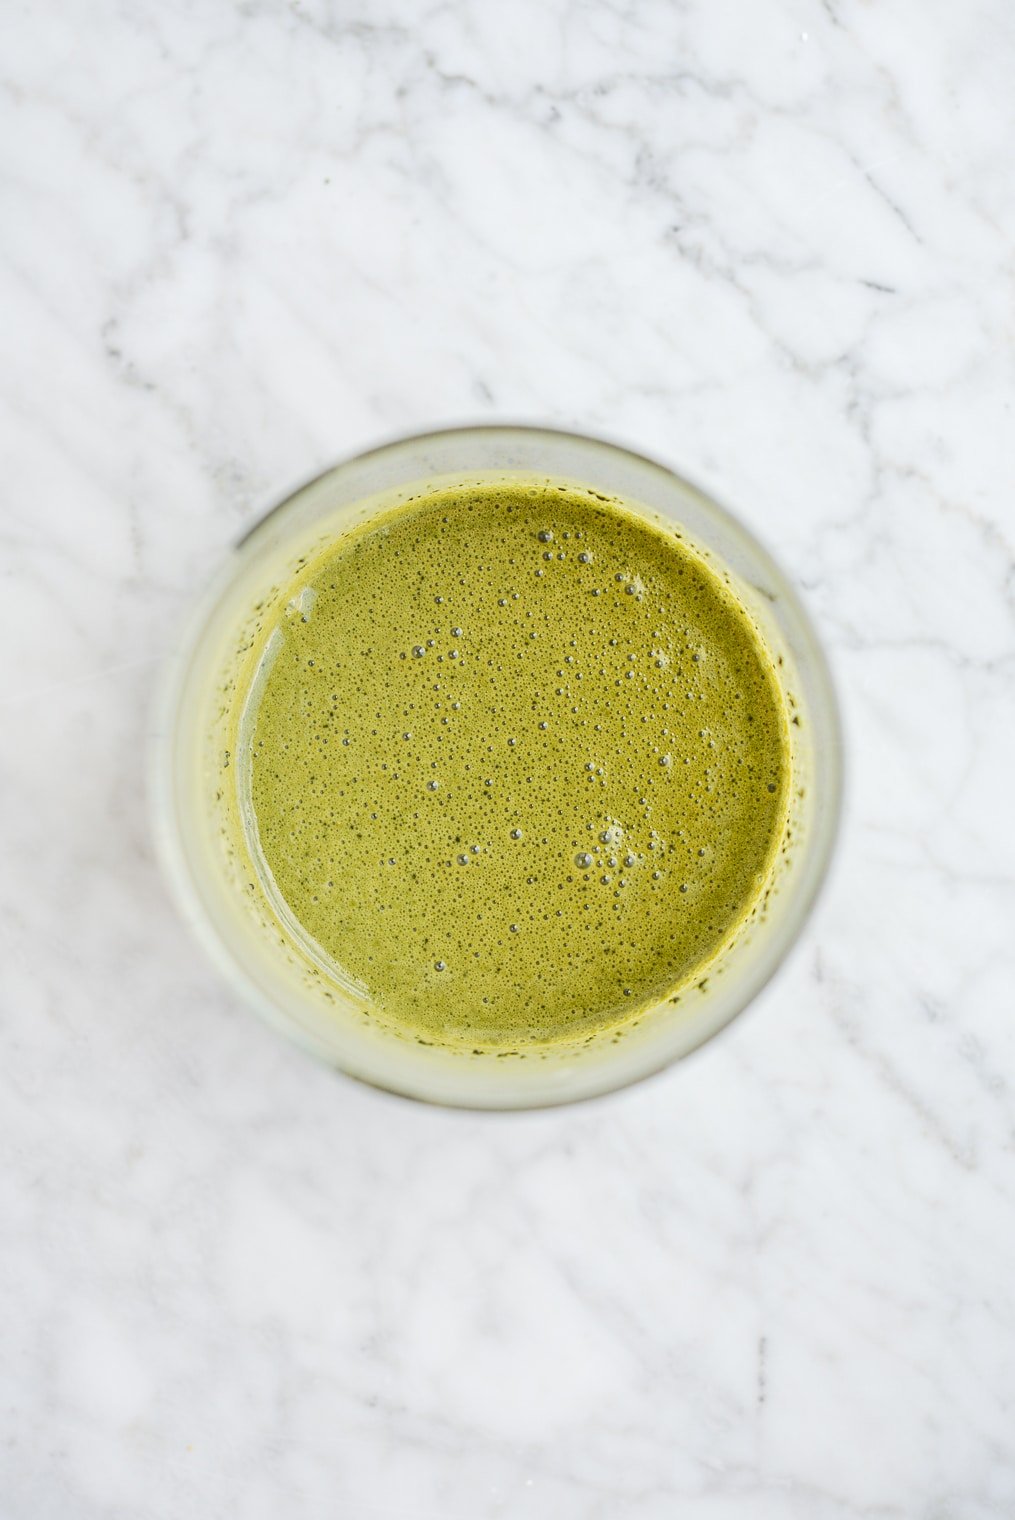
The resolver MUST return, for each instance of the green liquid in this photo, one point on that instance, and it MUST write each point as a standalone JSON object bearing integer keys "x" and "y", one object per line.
{"x": 517, "y": 764}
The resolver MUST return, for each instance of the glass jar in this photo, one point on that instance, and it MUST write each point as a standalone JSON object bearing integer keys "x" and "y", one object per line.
{"x": 260, "y": 954}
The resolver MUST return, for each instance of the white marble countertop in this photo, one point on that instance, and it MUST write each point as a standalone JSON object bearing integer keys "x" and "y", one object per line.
{"x": 770, "y": 243}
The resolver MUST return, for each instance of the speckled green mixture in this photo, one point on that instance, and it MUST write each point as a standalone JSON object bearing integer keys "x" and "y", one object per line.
{"x": 518, "y": 763}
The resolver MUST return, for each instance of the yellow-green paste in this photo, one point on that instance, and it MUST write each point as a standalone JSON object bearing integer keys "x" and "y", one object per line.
{"x": 517, "y": 762}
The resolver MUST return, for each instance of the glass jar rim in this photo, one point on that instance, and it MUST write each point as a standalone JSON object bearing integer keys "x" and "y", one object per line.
{"x": 528, "y": 438}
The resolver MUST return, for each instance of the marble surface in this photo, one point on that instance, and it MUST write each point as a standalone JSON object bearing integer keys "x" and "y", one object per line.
{"x": 770, "y": 243}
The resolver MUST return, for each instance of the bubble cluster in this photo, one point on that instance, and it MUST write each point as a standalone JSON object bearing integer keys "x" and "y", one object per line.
{"x": 462, "y": 765}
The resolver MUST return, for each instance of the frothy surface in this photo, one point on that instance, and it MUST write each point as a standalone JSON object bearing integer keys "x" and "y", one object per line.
{"x": 518, "y": 763}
